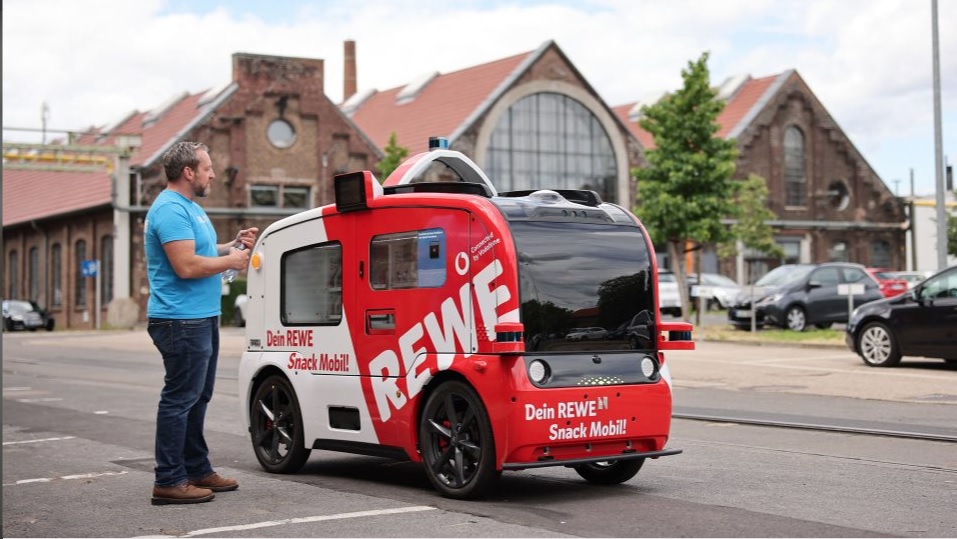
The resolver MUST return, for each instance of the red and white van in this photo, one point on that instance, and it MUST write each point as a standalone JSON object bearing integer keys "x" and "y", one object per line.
{"x": 426, "y": 321}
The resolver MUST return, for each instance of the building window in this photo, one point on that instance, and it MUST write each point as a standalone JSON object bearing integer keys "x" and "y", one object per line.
{"x": 551, "y": 141}
{"x": 281, "y": 133}
{"x": 269, "y": 196}
{"x": 33, "y": 277}
{"x": 838, "y": 252}
{"x": 12, "y": 276}
{"x": 880, "y": 254}
{"x": 79, "y": 279}
{"x": 407, "y": 260}
{"x": 106, "y": 270}
{"x": 795, "y": 175}
{"x": 56, "y": 274}
{"x": 311, "y": 284}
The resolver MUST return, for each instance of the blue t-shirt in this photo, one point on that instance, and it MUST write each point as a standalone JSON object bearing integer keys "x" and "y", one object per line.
{"x": 174, "y": 217}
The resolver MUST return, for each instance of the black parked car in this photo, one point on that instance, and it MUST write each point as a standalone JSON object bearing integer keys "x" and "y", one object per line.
{"x": 920, "y": 322}
{"x": 795, "y": 296}
{"x": 20, "y": 314}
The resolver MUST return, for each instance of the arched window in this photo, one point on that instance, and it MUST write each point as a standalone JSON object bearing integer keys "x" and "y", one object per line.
{"x": 12, "y": 276}
{"x": 79, "y": 279}
{"x": 106, "y": 270}
{"x": 838, "y": 252}
{"x": 33, "y": 275}
{"x": 880, "y": 254}
{"x": 551, "y": 141}
{"x": 56, "y": 274}
{"x": 795, "y": 175}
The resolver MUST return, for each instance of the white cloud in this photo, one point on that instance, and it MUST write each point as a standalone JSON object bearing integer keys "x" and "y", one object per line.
{"x": 867, "y": 60}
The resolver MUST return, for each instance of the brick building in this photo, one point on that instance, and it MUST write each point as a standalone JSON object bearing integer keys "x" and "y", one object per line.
{"x": 829, "y": 202}
{"x": 275, "y": 139}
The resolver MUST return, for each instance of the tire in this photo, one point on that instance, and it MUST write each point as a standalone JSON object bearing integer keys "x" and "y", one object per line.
{"x": 823, "y": 325}
{"x": 50, "y": 324}
{"x": 276, "y": 427}
{"x": 609, "y": 473}
{"x": 796, "y": 318}
{"x": 455, "y": 437}
{"x": 876, "y": 345}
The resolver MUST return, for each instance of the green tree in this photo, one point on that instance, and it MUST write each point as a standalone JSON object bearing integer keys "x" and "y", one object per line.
{"x": 687, "y": 189}
{"x": 952, "y": 235}
{"x": 752, "y": 214}
{"x": 394, "y": 154}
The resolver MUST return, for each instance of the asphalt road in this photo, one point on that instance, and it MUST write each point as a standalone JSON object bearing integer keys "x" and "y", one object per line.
{"x": 78, "y": 420}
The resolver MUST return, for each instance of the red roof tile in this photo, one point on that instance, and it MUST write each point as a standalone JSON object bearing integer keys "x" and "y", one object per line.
{"x": 34, "y": 194}
{"x": 440, "y": 108}
{"x": 735, "y": 110}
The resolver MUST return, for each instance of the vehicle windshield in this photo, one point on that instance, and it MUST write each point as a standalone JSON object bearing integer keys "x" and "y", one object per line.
{"x": 582, "y": 284}
{"x": 782, "y": 275}
{"x": 17, "y": 307}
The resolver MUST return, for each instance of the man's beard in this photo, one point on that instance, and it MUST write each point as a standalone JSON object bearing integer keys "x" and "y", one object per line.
{"x": 201, "y": 192}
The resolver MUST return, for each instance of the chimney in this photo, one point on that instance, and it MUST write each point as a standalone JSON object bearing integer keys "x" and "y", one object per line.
{"x": 349, "y": 84}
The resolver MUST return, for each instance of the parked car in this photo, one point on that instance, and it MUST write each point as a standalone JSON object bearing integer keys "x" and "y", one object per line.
{"x": 669, "y": 297}
{"x": 913, "y": 278}
{"x": 922, "y": 322}
{"x": 22, "y": 314}
{"x": 890, "y": 286}
{"x": 723, "y": 289}
{"x": 586, "y": 334}
{"x": 239, "y": 310}
{"x": 795, "y": 296}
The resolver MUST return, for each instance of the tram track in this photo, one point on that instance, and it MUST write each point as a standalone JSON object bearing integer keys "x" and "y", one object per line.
{"x": 819, "y": 427}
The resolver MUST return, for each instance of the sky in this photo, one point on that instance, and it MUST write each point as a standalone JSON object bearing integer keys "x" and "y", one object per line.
{"x": 868, "y": 61}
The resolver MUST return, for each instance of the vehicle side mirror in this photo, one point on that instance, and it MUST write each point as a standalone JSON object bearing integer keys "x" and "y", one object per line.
{"x": 814, "y": 284}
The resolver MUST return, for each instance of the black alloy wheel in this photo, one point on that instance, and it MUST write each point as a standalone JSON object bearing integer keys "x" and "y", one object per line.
{"x": 609, "y": 472}
{"x": 277, "y": 427}
{"x": 455, "y": 437}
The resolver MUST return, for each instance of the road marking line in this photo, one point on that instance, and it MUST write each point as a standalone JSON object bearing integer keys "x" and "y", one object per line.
{"x": 16, "y": 389}
{"x": 50, "y": 479}
{"x": 302, "y": 520}
{"x": 868, "y": 371}
{"x": 42, "y": 399}
{"x": 39, "y": 440}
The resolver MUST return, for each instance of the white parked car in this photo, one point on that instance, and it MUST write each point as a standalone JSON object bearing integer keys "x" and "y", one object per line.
{"x": 669, "y": 297}
{"x": 239, "y": 310}
{"x": 586, "y": 334}
{"x": 721, "y": 290}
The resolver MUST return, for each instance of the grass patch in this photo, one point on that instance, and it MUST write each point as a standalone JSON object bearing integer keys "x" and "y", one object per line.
{"x": 770, "y": 335}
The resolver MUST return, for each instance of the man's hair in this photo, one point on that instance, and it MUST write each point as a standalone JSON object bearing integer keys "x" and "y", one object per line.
{"x": 180, "y": 156}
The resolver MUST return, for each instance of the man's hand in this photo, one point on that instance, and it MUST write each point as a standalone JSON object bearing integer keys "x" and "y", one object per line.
{"x": 246, "y": 238}
{"x": 238, "y": 260}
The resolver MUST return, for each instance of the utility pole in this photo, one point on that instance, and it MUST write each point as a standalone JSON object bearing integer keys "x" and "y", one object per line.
{"x": 938, "y": 151}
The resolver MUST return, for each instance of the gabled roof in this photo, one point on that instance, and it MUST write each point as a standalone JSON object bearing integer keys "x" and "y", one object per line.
{"x": 35, "y": 194}
{"x": 162, "y": 127}
{"x": 443, "y": 106}
{"x": 742, "y": 106}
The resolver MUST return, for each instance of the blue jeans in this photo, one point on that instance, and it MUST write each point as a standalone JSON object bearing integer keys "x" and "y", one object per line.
{"x": 190, "y": 349}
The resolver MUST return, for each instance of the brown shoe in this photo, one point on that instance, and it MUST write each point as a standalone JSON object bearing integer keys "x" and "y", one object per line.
{"x": 184, "y": 493}
{"x": 215, "y": 483}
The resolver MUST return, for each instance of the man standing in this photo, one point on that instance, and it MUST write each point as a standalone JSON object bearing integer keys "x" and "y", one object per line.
{"x": 184, "y": 264}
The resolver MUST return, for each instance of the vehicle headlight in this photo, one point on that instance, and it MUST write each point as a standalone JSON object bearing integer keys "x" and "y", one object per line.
{"x": 538, "y": 371}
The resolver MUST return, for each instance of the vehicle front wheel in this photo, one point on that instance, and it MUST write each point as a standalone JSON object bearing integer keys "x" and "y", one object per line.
{"x": 277, "y": 427}
{"x": 609, "y": 473}
{"x": 796, "y": 318}
{"x": 877, "y": 347}
{"x": 455, "y": 437}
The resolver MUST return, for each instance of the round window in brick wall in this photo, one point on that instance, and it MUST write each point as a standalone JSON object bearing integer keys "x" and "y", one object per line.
{"x": 281, "y": 133}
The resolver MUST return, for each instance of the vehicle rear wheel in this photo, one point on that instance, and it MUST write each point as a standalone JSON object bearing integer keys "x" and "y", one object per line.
{"x": 238, "y": 318}
{"x": 796, "y": 318}
{"x": 609, "y": 473}
{"x": 455, "y": 437}
{"x": 877, "y": 347}
{"x": 277, "y": 427}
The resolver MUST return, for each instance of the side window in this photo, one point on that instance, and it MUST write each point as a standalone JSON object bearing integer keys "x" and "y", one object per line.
{"x": 944, "y": 286}
{"x": 413, "y": 259}
{"x": 854, "y": 275}
{"x": 826, "y": 276}
{"x": 311, "y": 284}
